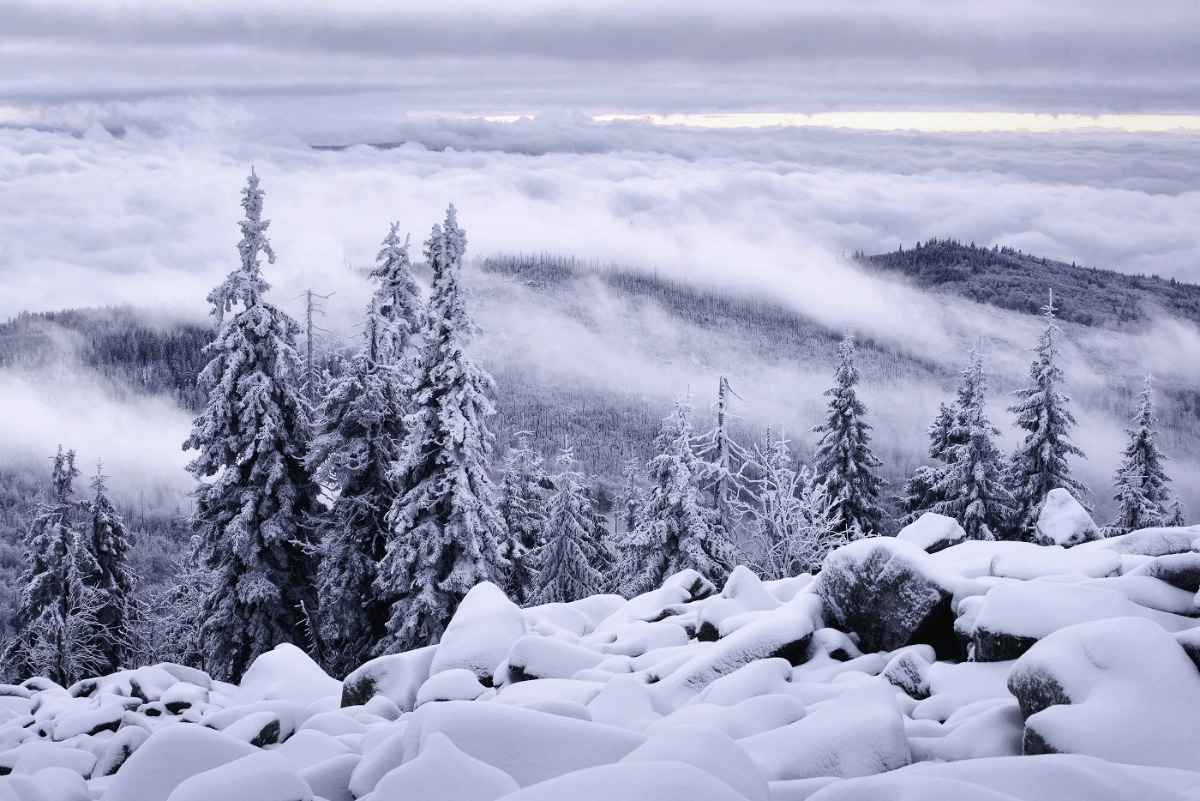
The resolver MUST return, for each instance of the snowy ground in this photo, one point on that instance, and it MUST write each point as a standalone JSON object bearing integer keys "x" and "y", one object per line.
{"x": 981, "y": 671}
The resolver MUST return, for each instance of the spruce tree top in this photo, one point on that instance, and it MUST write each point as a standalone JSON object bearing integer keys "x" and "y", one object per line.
{"x": 246, "y": 286}
{"x": 397, "y": 298}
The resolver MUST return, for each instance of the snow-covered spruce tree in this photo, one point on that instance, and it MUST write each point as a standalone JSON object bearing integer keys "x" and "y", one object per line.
{"x": 724, "y": 459}
{"x": 445, "y": 534}
{"x": 255, "y": 494}
{"x": 1039, "y": 463}
{"x": 971, "y": 487}
{"x": 1141, "y": 480}
{"x": 790, "y": 524}
{"x": 918, "y": 495}
{"x": 676, "y": 529}
{"x": 843, "y": 463}
{"x": 523, "y": 507}
{"x": 570, "y": 564}
{"x": 102, "y": 546}
{"x": 360, "y": 429}
{"x": 54, "y": 613}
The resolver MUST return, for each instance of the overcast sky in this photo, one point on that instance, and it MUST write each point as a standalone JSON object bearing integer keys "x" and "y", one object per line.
{"x": 1087, "y": 56}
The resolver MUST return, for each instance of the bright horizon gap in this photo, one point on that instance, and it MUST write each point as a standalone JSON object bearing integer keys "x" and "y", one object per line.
{"x": 926, "y": 121}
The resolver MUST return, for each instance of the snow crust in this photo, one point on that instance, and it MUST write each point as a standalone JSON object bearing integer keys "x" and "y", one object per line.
{"x": 986, "y": 670}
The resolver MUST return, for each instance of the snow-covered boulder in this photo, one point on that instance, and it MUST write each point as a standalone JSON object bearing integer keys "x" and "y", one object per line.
{"x": 171, "y": 755}
{"x": 479, "y": 637}
{"x": 286, "y": 673}
{"x": 1027, "y": 561}
{"x": 1151, "y": 541}
{"x": 1180, "y": 570}
{"x": 932, "y": 532}
{"x": 1118, "y": 689}
{"x": 458, "y": 684}
{"x": 536, "y": 657}
{"x": 635, "y": 781}
{"x": 1062, "y": 520}
{"x": 890, "y": 593}
{"x": 858, "y": 734}
{"x": 530, "y": 746}
{"x": 261, "y": 776}
{"x": 396, "y": 677}
{"x": 709, "y": 750}
{"x": 1015, "y": 615}
{"x": 441, "y": 772}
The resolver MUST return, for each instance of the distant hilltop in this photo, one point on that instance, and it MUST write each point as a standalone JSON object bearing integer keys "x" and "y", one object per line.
{"x": 1010, "y": 279}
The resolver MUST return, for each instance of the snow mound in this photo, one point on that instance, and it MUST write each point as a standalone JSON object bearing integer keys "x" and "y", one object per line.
{"x": 932, "y": 532}
{"x": 479, "y": 637}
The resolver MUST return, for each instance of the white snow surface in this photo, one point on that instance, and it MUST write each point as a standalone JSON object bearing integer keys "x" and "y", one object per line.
{"x": 612, "y": 698}
{"x": 1064, "y": 521}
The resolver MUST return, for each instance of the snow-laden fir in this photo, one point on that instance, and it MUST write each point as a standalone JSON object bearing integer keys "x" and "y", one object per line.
{"x": 984, "y": 670}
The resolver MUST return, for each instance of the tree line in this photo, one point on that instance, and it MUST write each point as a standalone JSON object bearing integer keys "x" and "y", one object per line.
{"x": 352, "y": 520}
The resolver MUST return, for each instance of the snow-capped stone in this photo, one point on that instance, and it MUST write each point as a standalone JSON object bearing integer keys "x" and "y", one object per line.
{"x": 118, "y": 749}
{"x": 932, "y": 532}
{"x": 30, "y": 757}
{"x": 170, "y": 755}
{"x": 783, "y": 632}
{"x": 481, "y": 633}
{"x": 857, "y": 734}
{"x": 330, "y": 779}
{"x": 1063, "y": 521}
{"x": 286, "y": 673}
{"x": 1015, "y": 615}
{"x": 1180, "y": 570}
{"x": 908, "y": 669}
{"x": 751, "y": 716}
{"x": 1151, "y": 541}
{"x": 261, "y": 776}
{"x": 1119, "y": 689}
{"x": 105, "y": 716}
{"x": 397, "y": 677}
{"x": 184, "y": 694}
{"x": 536, "y": 657}
{"x": 1026, "y": 561}
{"x": 441, "y": 772}
{"x": 709, "y": 750}
{"x": 59, "y": 784}
{"x": 635, "y": 781}
{"x": 456, "y": 684}
{"x": 886, "y": 591}
{"x": 378, "y": 759}
{"x": 527, "y": 745}
{"x": 625, "y": 701}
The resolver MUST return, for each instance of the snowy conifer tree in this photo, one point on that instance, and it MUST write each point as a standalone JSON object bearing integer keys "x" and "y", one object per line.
{"x": 676, "y": 529}
{"x": 55, "y": 620}
{"x": 102, "y": 546}
{"x": 725, "y": 459}
{"x": 919, "y": 495}
{"x": 360, "y": 432}
{"x": 569, "y": 565}
{"x": 1141, "y": 479}
{"x": 1039, "y": 463}
{"x": 843, "y": 462}
{"x": 791, "y": 524}
{"x": 255, "y": 493}
{"x": 971, "y": 487}
{"x": 523, "y": 507}
{"x": 445, "y": 533}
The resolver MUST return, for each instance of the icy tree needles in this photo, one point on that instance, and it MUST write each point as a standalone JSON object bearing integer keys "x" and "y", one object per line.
{"x": 843, "y": 462}
{"x": 1039, "y": 463}
{"x": 446, "y": 535}
{"x": 251, "y": 437}
{"x": 360, "y": 431}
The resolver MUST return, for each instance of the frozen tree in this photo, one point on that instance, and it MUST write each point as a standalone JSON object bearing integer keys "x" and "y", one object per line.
{"x": 569, "y": 564}
{"x": 791, "y": 521}
{"x": 255, "y": 493}
{"x": 360, "y": 429}
{"x": 102, "y": 546}
{"x": 724, "y": 458}
{"x": 445, "y": 534}
{"x": 55, "y": 619}
{"x": 523, "y": 507}
{"x": 919, "y": 494}
{"x": 1141, "y": 479}
{"x": 971, "y": 487}
{"x": 843, "y": 462}
{"x": 676, "y": 529}
{"x": 169, "y": 626}
{"x": 1039, "y": 463}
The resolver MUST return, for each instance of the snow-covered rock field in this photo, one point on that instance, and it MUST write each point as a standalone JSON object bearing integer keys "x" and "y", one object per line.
{"x": 986, "y": 670}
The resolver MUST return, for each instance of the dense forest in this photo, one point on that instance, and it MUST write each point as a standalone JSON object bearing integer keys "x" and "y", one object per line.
{"x": 1007, "y": 278}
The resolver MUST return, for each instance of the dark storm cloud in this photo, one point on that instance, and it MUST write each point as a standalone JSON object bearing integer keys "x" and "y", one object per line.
{"x": 1033, "y": 56}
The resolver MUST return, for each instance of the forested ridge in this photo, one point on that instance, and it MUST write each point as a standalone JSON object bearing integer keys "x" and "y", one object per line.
{"x": 1007, "y": 278}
